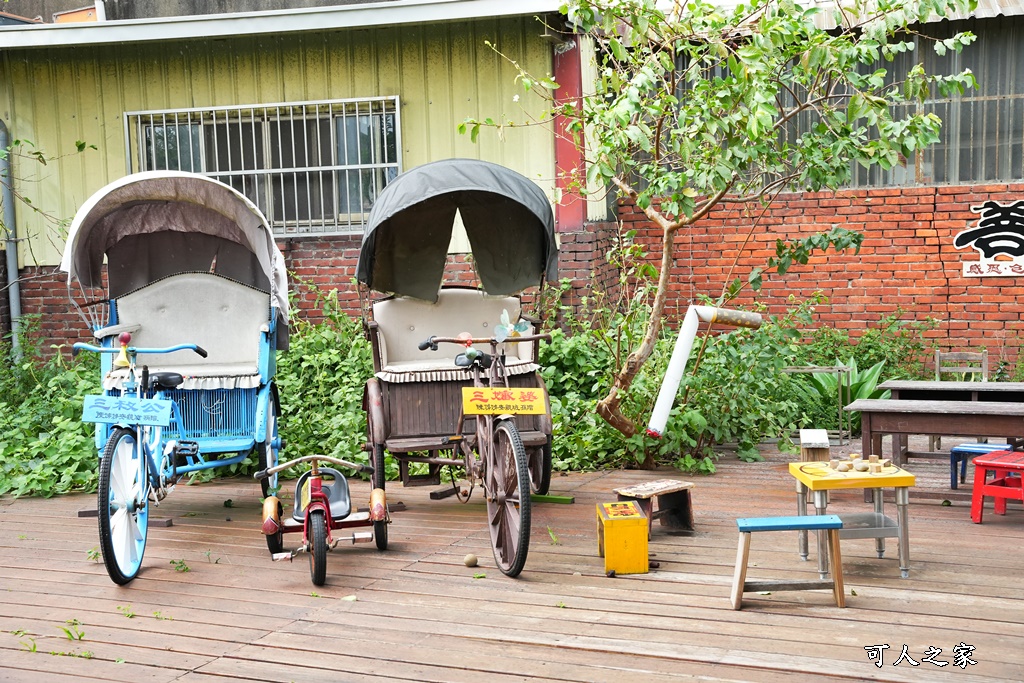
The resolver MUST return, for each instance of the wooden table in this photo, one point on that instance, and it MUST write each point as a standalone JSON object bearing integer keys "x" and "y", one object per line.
{"x": 932, "y": 390}
{"x": 899, "y": 417}
{"x": 819, "y": 478}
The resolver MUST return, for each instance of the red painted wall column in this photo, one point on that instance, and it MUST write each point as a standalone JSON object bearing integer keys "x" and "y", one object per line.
{"x": 570, "y": 171}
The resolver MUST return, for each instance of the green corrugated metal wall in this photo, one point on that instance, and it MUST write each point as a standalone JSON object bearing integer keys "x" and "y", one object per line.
{"x": 442, "y": 73}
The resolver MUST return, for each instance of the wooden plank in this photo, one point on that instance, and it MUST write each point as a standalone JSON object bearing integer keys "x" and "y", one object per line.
{"x": 416, "y": 612}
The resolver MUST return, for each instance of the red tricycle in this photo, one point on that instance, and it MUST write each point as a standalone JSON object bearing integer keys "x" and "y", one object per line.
{"x": 322, "y": 506}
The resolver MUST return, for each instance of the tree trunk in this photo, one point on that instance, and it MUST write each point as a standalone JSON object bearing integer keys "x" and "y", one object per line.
{"x": 609, "y": 408}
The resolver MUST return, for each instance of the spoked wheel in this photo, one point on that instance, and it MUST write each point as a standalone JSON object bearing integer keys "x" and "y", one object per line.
{"x": 508, "y": 499}
{"x": 122, "y": 507}
{"x": 267, "y": 451}
{"x": 540, "y": 468}
{"x": 380, "y": 528}
{"x": 318, "y": 553}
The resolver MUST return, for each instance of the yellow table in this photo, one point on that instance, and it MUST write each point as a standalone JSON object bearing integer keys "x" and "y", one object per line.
{"x": 819, "y": 478}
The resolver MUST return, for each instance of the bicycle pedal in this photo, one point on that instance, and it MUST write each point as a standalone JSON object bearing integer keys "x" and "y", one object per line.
{"x": 184, "y": 450}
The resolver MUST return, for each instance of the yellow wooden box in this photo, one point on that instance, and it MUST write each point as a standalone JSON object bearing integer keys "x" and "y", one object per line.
{"x": 622, "y": 537}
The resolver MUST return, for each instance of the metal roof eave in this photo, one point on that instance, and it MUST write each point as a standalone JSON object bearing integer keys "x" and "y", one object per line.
{"x": 276, "y": 21}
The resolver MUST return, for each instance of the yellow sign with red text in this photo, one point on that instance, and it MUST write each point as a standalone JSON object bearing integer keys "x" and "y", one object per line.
{"x": 503, "y": 401}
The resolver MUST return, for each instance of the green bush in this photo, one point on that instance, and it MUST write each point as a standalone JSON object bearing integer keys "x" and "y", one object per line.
{"x": 45, "y": 448}
{"x": 321, "y": 380}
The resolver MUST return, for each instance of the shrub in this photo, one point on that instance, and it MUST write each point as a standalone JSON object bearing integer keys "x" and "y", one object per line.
{"x": 45, "y": 448}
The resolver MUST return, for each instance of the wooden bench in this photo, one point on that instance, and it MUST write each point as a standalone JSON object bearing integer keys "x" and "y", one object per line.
{"x": 747, "y": 526}
{"x": 968, "y": 418}
{"x": 675, "y": 509}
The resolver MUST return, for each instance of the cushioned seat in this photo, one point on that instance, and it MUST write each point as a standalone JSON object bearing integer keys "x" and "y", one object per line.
{"x": 224, "y": 317}
{"x": 403, "y": 323}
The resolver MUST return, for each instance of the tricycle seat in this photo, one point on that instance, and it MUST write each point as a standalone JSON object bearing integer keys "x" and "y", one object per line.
{"x": 335, "y": 486}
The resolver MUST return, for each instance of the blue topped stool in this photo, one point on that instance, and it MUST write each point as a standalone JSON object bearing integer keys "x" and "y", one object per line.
{"x": 829, "y": 524}
{"x": 964, "y": 452}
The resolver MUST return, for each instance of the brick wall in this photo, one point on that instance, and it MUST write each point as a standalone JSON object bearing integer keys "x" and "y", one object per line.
{"x": 907, "y": 261}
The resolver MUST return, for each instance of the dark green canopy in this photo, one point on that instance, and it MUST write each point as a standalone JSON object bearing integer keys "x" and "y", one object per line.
{"x": 508, "y": 220}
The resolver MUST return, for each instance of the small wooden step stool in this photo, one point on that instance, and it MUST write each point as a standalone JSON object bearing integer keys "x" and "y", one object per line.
{"x": 814, "y": 445}
{"x": 1007, "y": 468}
{"x": 830, "y": 523}
{"x": 622, "y": 538}
{"x": 675, "y": 509}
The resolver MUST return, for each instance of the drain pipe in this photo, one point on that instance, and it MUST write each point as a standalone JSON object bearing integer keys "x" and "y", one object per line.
{"x": 7, "y": 199}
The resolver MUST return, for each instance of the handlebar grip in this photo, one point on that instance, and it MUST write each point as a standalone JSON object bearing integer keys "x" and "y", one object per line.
{"x": 262, "y": 474}
{"x": 202, "y": 352}
{"x": 428, "y": 344}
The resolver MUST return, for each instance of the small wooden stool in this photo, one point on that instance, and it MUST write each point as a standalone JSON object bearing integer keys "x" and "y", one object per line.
{"x": 830, "y": 523}
{"x": 964, "y": 452}
{"x": 675, "y": 509}
{"x": 1007, "y": 467}
{"x": 814, "y": 445}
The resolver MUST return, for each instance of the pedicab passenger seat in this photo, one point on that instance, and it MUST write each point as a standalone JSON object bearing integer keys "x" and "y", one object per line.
{"x": 228, "y": 319}
{"x": 401, "y": 323}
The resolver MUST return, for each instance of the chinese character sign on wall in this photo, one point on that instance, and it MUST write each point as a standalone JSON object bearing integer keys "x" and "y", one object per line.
{"x": 999, "y": 233}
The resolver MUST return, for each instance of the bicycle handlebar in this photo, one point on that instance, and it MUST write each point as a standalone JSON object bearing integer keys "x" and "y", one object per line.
{"x": 263, "y": 474}
{"x": 82, "y": 346}
{"x": 432, "y": 342}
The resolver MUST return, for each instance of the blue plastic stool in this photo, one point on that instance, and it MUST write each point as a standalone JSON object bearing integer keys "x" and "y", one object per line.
{"x": 964, "y": 452}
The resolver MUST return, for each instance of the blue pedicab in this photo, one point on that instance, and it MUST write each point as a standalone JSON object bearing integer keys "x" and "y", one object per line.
{"x": 194, "y": 311}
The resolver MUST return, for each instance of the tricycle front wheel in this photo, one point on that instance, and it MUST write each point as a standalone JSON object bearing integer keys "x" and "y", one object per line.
{"x": 318, "y": 551}
{"x": 122, "y": 507}
{"x": 508, "y": 499}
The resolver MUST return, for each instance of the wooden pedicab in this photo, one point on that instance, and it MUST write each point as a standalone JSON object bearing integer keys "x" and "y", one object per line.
{"x": 456, "y": 380}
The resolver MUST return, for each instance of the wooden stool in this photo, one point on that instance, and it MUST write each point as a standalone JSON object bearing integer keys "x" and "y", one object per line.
{"x": 1007, "y": 468}
{"x": 962, "y": 453}
{"x": 814, "y": 445}
{"x": 830, "y": 523}
{"x": 675, "y": 509}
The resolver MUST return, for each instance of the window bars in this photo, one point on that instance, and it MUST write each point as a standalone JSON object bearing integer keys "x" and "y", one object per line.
{"x": 313, "y": 168}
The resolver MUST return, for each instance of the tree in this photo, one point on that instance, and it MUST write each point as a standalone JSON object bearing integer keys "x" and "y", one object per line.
{"x": 697, "y": 105}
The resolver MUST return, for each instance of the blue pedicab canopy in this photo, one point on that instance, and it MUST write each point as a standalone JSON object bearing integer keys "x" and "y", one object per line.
{"x": 508, "y": 220}
{"x": 158, "y": 223}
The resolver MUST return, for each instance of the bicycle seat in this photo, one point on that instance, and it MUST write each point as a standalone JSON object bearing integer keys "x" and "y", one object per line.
{"x": 466, "y": 359}
{"x": 335, "y": 487}
{"x": 165, "y": 380}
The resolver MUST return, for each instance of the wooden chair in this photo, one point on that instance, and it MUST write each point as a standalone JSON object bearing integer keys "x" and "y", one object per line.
{"x": 960, "y": 362}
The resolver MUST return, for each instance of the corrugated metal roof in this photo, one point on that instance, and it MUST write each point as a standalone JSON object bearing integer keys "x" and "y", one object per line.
{"x": 995, "y": 8}
{"x": 986, "y": 10}
{"x": 278, "y": 21}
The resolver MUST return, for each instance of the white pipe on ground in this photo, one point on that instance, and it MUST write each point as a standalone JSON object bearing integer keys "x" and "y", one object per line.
{"x": 681, "y": 354}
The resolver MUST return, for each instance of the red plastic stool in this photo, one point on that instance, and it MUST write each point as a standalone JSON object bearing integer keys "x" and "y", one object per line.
{"x": 1006, "y": 468}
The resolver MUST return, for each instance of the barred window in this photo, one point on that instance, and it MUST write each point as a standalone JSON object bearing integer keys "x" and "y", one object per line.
{"x": 312, "y": 168}
{"x": 982, "y": 138}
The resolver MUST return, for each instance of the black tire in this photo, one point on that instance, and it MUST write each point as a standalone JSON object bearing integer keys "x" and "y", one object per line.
{"x": 540, "y": 468}
{"x": 123, "y": 525}
{"x": 318, "y": 553}
{"x": 508, "y": 499}
{"x": 380, "y": 534}
{"x": 380, "y": 529}
{"x": 267, "y": 454}
{"x": 275, "y": 542}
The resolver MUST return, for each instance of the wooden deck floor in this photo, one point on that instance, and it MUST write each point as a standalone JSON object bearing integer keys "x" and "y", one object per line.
{"x": 417, "y": 613}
